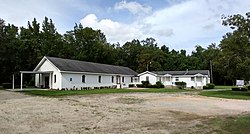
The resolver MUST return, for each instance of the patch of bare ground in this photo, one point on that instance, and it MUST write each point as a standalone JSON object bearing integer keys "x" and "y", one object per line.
{"x": 114, "y": 113}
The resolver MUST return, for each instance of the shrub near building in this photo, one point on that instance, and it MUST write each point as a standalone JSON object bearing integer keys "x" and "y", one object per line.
{"x": 209, "y": 86}
{"x": 181, "y": 85}
{"x": 159, "y": 84}
{"x": 146, "y": 84}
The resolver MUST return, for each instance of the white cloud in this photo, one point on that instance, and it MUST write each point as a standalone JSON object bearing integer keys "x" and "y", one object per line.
{"x": 114, "y": 31}
{"x": 193, "y": 22}
{"x": 133, "y": 7}
{"x": 179, "y": 26}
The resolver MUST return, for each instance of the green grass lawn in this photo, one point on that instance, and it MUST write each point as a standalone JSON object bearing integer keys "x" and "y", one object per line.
{"x": 244, "y": 95}
{"x": 99, "y": 91}
{"x": 222, "y": 87}
{"x": 234, "y": 125}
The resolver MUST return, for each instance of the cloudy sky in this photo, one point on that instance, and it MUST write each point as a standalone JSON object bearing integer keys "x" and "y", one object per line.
{"x": 179, "y": 24}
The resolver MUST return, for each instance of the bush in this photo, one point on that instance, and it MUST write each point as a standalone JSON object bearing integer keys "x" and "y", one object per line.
{"x": 153, "y": 86}
{"x": 145, "y": 83}
{"x": 149, "y": 86}
{"x": 205, "y": 87}
{"x": 248, "y": 87}
{"x": 180, "y": 85}
{"x": 239, "y": 89}
{"x": 139, "y": 85}
{"x": 131, "y": 85}
{"x": 210, "y": 86}
{"x": 7, "y": 85}
{"x": 159, "y": 85}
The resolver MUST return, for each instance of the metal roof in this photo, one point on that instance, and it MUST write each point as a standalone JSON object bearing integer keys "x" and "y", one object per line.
{"x": 187, "y": 72}
{"x": 83, "y": 66}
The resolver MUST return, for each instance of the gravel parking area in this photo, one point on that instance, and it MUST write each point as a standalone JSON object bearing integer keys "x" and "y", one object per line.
{"x": 113, "y": 113}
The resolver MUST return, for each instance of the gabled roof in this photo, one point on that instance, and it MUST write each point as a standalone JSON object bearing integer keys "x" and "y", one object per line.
{"x": 187, "y": 72}
{"x": 147, "y": 72}
{"x": 83, "y": 66}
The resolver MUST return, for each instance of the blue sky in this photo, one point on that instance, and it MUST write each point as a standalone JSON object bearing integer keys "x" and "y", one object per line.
{"x": 179, "y": 24}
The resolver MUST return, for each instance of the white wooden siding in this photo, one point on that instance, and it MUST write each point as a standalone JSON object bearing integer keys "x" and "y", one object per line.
{"x": 169, "y": 81}
{"x": 48, "y": 66}
{"x": 152, "y": 78}
{"x": 91, "y": 80}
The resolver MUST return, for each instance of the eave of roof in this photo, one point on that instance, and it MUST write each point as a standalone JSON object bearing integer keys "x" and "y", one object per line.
{"x": 188, "y": 72}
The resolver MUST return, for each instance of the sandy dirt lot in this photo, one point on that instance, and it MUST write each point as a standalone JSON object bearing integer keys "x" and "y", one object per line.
{"x": 113, "y": 113}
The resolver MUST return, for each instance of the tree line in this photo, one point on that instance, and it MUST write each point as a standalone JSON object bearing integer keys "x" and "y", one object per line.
{"x": 23, "y": 47}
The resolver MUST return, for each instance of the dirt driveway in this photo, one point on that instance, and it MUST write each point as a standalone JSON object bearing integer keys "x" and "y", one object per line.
{"x": 113, "y": 113}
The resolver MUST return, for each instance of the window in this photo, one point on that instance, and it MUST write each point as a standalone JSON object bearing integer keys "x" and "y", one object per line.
{"x": 70, "y": 79}
{"x": 147, "y": 78}
{"x": 192, "y": 78}
{"x": 159, "y": 79}
{"x": 122, "y": 78}
{"x": 100, "y": 79}
{"x": 176, "y": 78}
{"x": 83, "y": 78}
{"x": 131, "y": 79}
{"x": 112, "y": 79}
{"x": 54, "y": 78}
{"x": 136, "y": 79}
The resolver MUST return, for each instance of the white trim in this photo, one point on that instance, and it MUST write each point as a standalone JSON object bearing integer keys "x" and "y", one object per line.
{"x": 93, "y": 73}
{"x": 41, "y": 63}
{"x": 36, "y": 72}
{"x": 167, "y": 75}
{"x": 21, "y": 84}
{"x": 147, "y": 72}
{"x": 198, "y": 74}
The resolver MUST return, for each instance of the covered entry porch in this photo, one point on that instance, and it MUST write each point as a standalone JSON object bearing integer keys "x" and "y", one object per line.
{"x": 43, "y": 79}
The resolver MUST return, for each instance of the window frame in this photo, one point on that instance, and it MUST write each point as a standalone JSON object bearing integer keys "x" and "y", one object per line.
{"x": 123, "y": 79}
{"x": 112, "y": 79}
{"x": 83, "y": 78}
{"x": 54, "y": 78}
{"x": 100, "y": 79}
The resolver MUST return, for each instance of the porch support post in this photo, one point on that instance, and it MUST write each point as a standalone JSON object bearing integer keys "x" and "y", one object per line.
{"x": 171, "y": 80}
{"x": 202, "y": 80}
{"x": 39, "y": 75}
{"x": 13, "y": 81}
{"x": 50, "y": 80}
{"x": 195, "y": 82}
{"x": 21, "y": 86}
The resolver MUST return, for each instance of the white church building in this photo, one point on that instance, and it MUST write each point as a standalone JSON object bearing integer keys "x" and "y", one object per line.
{"x": 59, "y": 73}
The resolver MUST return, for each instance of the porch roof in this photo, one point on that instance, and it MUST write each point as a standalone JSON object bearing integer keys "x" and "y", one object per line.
{"x": 36, "y": 72}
